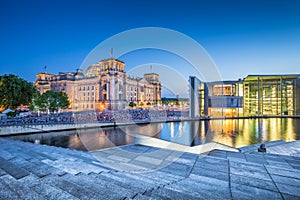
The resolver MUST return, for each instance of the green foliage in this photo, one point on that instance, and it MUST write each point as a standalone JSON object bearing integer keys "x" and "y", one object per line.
{"x": 50, "y": 100}
{"x": 15, "y": 91}
{"x": 38, "y": 103}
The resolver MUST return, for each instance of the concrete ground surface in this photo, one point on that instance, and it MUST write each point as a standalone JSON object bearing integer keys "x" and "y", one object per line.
{"x": 30, "y": 171}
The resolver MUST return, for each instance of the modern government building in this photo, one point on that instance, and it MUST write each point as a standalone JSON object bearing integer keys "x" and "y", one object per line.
{"x": 103, "y": 85}
{"x": 255, "y": 95}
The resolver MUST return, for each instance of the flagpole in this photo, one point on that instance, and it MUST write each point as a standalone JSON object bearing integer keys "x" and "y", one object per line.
{"x": 111, "y": 52}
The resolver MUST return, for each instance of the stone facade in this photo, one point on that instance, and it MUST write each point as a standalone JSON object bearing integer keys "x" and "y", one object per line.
{"x": 104, "y": 85}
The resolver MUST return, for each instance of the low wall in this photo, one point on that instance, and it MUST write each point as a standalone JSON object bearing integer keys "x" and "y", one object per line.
{"x": 200, "y": 149}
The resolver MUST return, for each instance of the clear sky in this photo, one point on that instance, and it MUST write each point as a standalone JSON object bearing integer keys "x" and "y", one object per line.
{"x": 242, "y": 37}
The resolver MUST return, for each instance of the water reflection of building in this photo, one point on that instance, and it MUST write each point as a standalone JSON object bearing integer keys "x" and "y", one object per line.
{"x": 255, "y": 95}
{"x": 103, "y": 85}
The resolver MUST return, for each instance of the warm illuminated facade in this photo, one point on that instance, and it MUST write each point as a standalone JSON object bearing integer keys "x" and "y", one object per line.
{"x": 104, "y": 85}
{"x": 272, "y": 95}
{"x": 225, "y": 98}
{"x": 218, "y": 99}
{"x": 256, "y": 95}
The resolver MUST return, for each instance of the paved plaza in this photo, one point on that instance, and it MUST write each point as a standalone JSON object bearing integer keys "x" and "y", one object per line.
{"x": 29, "y": 171}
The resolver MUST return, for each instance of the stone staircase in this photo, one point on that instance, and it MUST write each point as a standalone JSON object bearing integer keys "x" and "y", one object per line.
{"x": 29, "y": 171}
{"x": 254, "y": 147}
{"x": 268, "y": 173}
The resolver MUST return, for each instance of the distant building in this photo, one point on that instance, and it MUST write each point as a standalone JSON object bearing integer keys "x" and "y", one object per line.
{"x": 272, "y": 95}
{"x": 104, "y": 85}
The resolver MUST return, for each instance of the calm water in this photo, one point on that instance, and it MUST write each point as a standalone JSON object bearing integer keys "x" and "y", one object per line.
{"x": 235, "y": 133}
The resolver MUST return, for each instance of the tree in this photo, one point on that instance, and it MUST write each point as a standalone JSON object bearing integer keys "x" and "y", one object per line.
{"x": 63, "y": 100}
{"x": 54, "y": 101}
{"x": 50, "y": 100}
{"x": 15, "y": 91}
{"x": 37, "y": 103}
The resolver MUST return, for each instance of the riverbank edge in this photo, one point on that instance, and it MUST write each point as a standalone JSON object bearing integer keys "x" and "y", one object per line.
{"x": 75, "y": 126}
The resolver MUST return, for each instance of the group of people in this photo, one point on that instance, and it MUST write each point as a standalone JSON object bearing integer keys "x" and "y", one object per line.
{"x": 35, "y": 119}
{"x": 125, "y": 116}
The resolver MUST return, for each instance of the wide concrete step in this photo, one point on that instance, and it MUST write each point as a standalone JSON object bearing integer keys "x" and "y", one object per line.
{"x": 289, "y": 148}
{"x": 10, "y": 188}
{"x": 248, "y": 192}
{"x": 102, "y": 188}
{"x": 139, "y": 177}
{"x": 282, "y": 161}
{"x": 205, "y": 186}
{"x": 210, "y": 172}
{"x": 177, "y": 169}
{"x": 121, "y": 182}
{"x": 2, "y": 173}
{"x": 253, "y": 148}
{"x": 131, "y": 180}
{"x": 70, "y": 187}
{"x": 161, "y": 176}
{"x": 12, "y": 169}
{"x": 173, "y": 193}
{"x": 6, "y": 155}
{"x": 143, "y": 197}
{"x": 45, "y": 190}
{"x": 74, "y": 166}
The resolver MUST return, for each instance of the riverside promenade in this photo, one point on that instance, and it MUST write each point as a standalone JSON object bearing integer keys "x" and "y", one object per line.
{"x": 30, "y": 171}
{"x": 44, "y": 128}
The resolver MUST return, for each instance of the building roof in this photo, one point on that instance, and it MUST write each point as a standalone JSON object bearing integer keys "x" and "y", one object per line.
{"x": 224, "y": 82}
{"x": 271, "y": 76}
{"x": 107, "y": 59}
{"x": 151, "y": 74}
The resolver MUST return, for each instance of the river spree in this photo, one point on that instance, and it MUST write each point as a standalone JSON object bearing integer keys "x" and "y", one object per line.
{"x": 231, "y": 132}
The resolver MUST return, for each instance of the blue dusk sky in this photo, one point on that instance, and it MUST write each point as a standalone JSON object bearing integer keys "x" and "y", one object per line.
{"x": 242, "y": 37}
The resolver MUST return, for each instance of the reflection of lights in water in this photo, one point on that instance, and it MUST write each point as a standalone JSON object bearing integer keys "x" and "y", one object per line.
{"x": 244, "y": 136}
{"x": 75, "y": 142}
{"x": 290, "y": 134}
{"x": 264, "y": 129}
{"x": 224, "y": 131}
{"x": 235, "y": 133}
{"x": 36, "y": 141}
{"x": 279, "y": 126}
{"x": 180, "y": 130}
{"x": 129, "y": 139}
{"x": 202, "y": 130}
{"x": 273, "y": 131}
{"x": 172, "y": 129}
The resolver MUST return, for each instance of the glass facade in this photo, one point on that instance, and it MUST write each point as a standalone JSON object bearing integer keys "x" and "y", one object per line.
{"x": 198, "y": 97}
{"x": 256, "y": 95}
{"x": 202, "y": 100}
{"x": 225, "y": 99}
{"x": 270, "y": 95}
